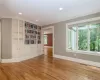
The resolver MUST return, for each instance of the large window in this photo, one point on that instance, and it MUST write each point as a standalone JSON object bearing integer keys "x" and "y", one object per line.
{"x": 84, "y": 38}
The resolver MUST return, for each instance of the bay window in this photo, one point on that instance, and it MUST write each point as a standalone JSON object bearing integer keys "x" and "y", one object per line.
{"x": 84, "y": 37}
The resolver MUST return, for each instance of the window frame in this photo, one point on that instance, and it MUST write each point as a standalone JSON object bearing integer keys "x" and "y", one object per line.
{"x": 81, "y": 51}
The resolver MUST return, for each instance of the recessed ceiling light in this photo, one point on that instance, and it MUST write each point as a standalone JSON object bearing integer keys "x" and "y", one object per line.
{"x": 60, "y": 8}
{"x": 37, "y": 20}
{"x": 20, "y": 13}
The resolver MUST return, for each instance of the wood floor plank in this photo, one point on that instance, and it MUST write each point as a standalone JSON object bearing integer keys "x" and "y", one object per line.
{"x": 46, "y": 68}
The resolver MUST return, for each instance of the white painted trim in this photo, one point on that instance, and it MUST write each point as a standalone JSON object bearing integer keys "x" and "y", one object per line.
{"x": 82, "y": 21}
{"x": 20, "y": 19}
{"x": 17, "y": 59}
{"x": 97, "y": 64}
{"x": 83, "y": 52}
{"x": 50, "y": 27}
{"x": 48, "y": 47}
{"x": 66, "y": 37}
{"x": 10, "y": 60}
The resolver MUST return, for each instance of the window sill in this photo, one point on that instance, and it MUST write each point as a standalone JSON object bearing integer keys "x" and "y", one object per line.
{"x": 84, "y": 52}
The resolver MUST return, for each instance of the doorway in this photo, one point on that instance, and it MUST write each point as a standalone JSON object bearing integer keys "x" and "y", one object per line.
{"x": 48, "y": 41}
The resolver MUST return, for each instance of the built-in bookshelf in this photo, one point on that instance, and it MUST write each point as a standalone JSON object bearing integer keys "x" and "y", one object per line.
{"x": 39, "y": 35}
{"x": 26, "y": 38}
{"x": 32, "y": 33}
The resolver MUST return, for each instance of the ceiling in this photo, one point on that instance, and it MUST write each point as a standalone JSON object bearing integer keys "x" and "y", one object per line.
{"x": 47, "y": 11}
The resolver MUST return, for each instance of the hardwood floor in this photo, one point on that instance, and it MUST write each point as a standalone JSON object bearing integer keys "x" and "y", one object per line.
{"x": 48, "y": 51}
{"x": 43, "y": 68}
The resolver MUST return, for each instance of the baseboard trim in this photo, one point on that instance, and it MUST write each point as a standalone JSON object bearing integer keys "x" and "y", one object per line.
{"x": 10, "y": 60}
{"x": 18, "y": 59}
{"x": 96, "y": 64}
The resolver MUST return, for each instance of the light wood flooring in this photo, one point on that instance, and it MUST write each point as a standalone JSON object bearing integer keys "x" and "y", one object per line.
{"x": 44, "y": 68}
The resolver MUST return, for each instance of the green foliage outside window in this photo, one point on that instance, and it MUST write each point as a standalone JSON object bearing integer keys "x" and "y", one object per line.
{"x": 88, "y": 37}
{"x": 95, "y": 38}
{"x": 83, "y": 38}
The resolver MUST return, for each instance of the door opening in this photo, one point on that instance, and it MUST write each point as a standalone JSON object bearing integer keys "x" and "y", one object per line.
{"x": 48, "y": 48}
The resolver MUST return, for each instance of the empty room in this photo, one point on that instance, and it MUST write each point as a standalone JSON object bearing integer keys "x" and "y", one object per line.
{"x": 49, "y": 39}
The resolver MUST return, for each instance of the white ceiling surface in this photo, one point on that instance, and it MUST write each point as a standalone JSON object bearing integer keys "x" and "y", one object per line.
{"x": 47, "y": 11}
{"x": 48, "y": 31}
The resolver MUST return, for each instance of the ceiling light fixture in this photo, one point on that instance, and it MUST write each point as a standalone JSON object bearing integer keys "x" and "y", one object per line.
{"x": 37, "y": 20}
{"x": 60, "y": 8}
{"x": 20, "y": 13}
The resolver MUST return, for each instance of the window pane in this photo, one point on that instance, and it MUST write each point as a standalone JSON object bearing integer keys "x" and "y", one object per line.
{"x": 95, "y": 37}
{"x": 72, "y": 38}
{"x": 83, "y": 38}
{"x": 45, "y": 39}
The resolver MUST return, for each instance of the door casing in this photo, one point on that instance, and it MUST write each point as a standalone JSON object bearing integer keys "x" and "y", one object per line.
{"x": 43, "y": 29}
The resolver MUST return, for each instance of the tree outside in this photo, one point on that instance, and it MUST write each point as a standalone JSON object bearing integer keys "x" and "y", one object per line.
{"x": 94, "y": 38}
{"x": 83, "y": 38}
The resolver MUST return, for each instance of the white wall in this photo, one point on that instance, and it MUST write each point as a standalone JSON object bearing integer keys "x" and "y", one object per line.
{"x": 48, "y": 31}
{"x": 6, "y": 38}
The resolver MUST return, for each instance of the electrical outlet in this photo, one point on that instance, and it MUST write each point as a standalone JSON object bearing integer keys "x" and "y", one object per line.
{"x": 75, "y": 55}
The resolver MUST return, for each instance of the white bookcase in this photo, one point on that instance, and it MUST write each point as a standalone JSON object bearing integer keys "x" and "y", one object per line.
{"x": 19, "y": 48}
